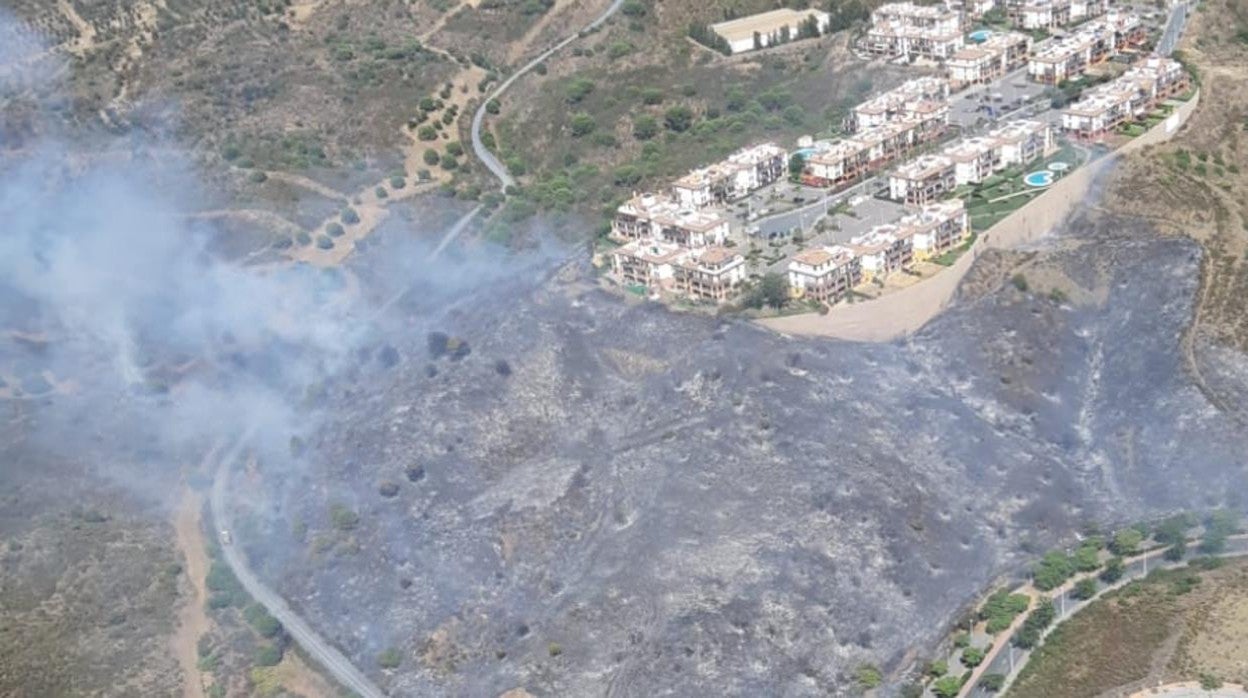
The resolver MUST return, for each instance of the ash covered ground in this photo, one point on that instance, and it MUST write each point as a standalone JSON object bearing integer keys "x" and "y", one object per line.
{"x": 604, "y": 498}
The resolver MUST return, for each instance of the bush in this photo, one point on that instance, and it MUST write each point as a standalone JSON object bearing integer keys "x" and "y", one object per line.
{"x": 579, "y": 89}
{"x": 388, "y": 489}
{"x": 619, "y": 49}
{"x": 652, "y": 96}
{"x": 349, "y": 216}
{"x": 268, "y": 655}
{"x": 582, "y": 124}
{"x": 455, "y": 148}
{"x": 972, "y": 657}
{"x": 1085, "y": 589}
{"x": 992, "y": 682}
{"x": 449, "y": 163}
{"x": 258, "y": 617}
{"x": 645, "y": 127}
{"x": 633, "y": 8}
{"x": 258, "y": 177}
{"x": 1114, "y": 569}
{"x": 678, "y": 118}
{"x": 937, "y": 668}
{"x": 304, "y": 238}
{"x": 962, "y": 640}
{"x": 1126, "y": 542}
{"x": 381, "y": 193}
{"x": 427, "y": 133}
{"x": 493, "y": 106}
{"x": 391, "y": 658}
{"x": 1020, "y": 282}
{"x": 1052, "y": 570}
{"x": 343, "y": 518}
{"x": 947, "y": 686}
{"x": 869, "y": 676}
{"x": 335, "y": 230}
{"x": 431, "y": 157}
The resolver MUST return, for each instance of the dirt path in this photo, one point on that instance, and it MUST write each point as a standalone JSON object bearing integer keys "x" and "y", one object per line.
{"x": 306, "y": 183}
{"x": 519, "y": 48}
{"x": 193, "y": 623}
{"x": 85, "y": 41}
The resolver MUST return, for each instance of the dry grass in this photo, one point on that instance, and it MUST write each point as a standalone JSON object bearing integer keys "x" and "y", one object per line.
{"x": 1131, "y": 636}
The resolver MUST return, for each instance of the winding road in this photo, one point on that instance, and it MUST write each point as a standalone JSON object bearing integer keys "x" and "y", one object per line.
{"x": 326, "y": 654}
{"x": 483, "y": 154}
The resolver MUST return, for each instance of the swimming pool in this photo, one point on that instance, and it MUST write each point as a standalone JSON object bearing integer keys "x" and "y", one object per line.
{"x": 1059, "y": 166}
{"x": 979, "y": 36}
{"x": 1039, "y": 178}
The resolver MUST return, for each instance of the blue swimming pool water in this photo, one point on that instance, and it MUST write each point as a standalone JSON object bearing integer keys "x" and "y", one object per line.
{"x": 805, "y": 152}
{"x": 980, "y": 35}
{"x": 1041, "y": 178}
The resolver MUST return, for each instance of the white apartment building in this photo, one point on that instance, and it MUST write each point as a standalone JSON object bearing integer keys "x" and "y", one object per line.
{"x": 1022, "y": 141}
{"x": 736, "y": 176}
{"x": 937, "y": 228}
{"x": 766, "y": 28}
{"x": 922, "y": 180}
{"x": 909, "y": 30}
{"x": 921, "y": 98}
{"x": 974, "y": 159}
{"x": 989, "y": 60}
{"x": 824, "y": 274}
{"x": 654, "y": 217}
{"x": 972, "y": 9}
{"x": 646, "y": 263}
{"x": 713, "y": 273}
{"x": 883, "y": 250}
{"x": 1130, "y": 97}
{"x": 1089, "y": 45}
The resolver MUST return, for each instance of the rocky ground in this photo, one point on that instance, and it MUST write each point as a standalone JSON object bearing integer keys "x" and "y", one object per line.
{"x": 608, "y": 498}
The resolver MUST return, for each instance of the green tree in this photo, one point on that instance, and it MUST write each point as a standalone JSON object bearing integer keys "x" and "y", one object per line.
{"x": 992, "y": 682}
{"x": 1177, "y": 550}
{"x": 1087, "y": 558}
{"x": 772, "y": 291}
{"x": 1085, "y": 589}
{"x": 391, "y": 658}
{"x": 1055, "y": 568}
{"x": 678, "y": 118}
{"x": 869, "y": 676}
{"x": 349, "y": 216}
{"x": 431, "y": 157}
{"x": 1218, "y": 526}
{"x": 343, "y": 518}
{"x": 633, "y": 8}
{"x": 912, "y": 690}
{"x": 1126, "y": 542}
{"x": 427, "y": 133}
{"x": 493, "y": 106}
{"x": 645, "y": 127}
{"x": 937, "y": 668}
{"x": 652, "y": 96}
{"x": 579, "y": 89}
{"x": 1172, "y": 529}
{"x": 449, "y": 163}
{"x": 972, "y": 657}
{"x": 947, "y": 686}
{"x": 1209, "y": 682}
{"x": 797, "y": 163}
{"x": 582, "y": 124}
{"x": 455, "y": 148}
{"x": 268, "y": 655}
{"x": 1114, "y": 569}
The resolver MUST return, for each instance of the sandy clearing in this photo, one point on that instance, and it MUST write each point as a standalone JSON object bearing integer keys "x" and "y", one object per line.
{"x": 519, "y": 48}
{"x": 85, "y": 41}
{"x": 306, "y": 183}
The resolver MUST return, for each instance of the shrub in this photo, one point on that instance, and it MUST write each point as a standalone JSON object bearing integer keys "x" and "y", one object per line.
{"x": 652, "y": 96}
{"x": 391, "y": 658}
{"x": 455, "y": 148}
{"x": 258, "y": 617}
{"x": 493, "y": 106}
{"x": 397, "y": 182}
{"x": 335, "y": 230}
{"x": 579, "y": 89}
{"x": 972, "y": 657}
{"x": 258, "y": 177}
{"x": 947, "y": 686}
{"x": 304, "y": 238}
{"x": 381, "y": 193}
{"x": 431, "y": 157}
{"x": 645, "y": 127}
{"x": 1020, "y": 282}
{"x": 992, "y": 682}
{"x": 415, "y": 473}
{"x": 633, "y": 8}
{"x": 962, "y": 640}
{"x": 1085, "y": 589}
{"x": 349, "y": 216}
{"x": 427, "y": 133}
{"x": 582, "y": 124}
{"x": 678, "y": 118}
{"x": 343, "y": 518}
{"x": 619, "y": 49}
{"x": 268, "y": 655}
{"x": 449, "y": 163}
{"x": 869, "y": 676}
{"x": 937, "y": 668}
{"x": 1114, "y": 569}
{"x": 388, "y": 489}
{"x": 1126, "y": 542}
{"x": 1052, "y": 570}
{"x": 554, "y": 649}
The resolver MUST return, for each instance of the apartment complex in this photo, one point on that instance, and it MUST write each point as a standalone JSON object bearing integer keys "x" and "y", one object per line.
{"x": 1047, "y": 15}
{"x": 1130, "y": 97}
{"x": 736, "y": 176}
{"x": 909, "y": 30}
{"x": 922, "y": 180}
{"x": 886, "y": 127}
{"x": 996, "y": 56}
{"x": 656, "y": 217}
{"x": 1014, "y": 143}
{"x": 921, "y": 98}
{"x": 710, "y": 273}
{"x": 1089, "y": 45}
{"x": 768, "y": 28}
{"x": 824, "y": 274}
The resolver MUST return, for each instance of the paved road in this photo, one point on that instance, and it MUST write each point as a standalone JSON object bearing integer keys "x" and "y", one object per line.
{"x": 327, "y": 655}
{"x": 1174, "y": 30}
{"x": 1011, "y": 660}
{"x": 483, "y": 153}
